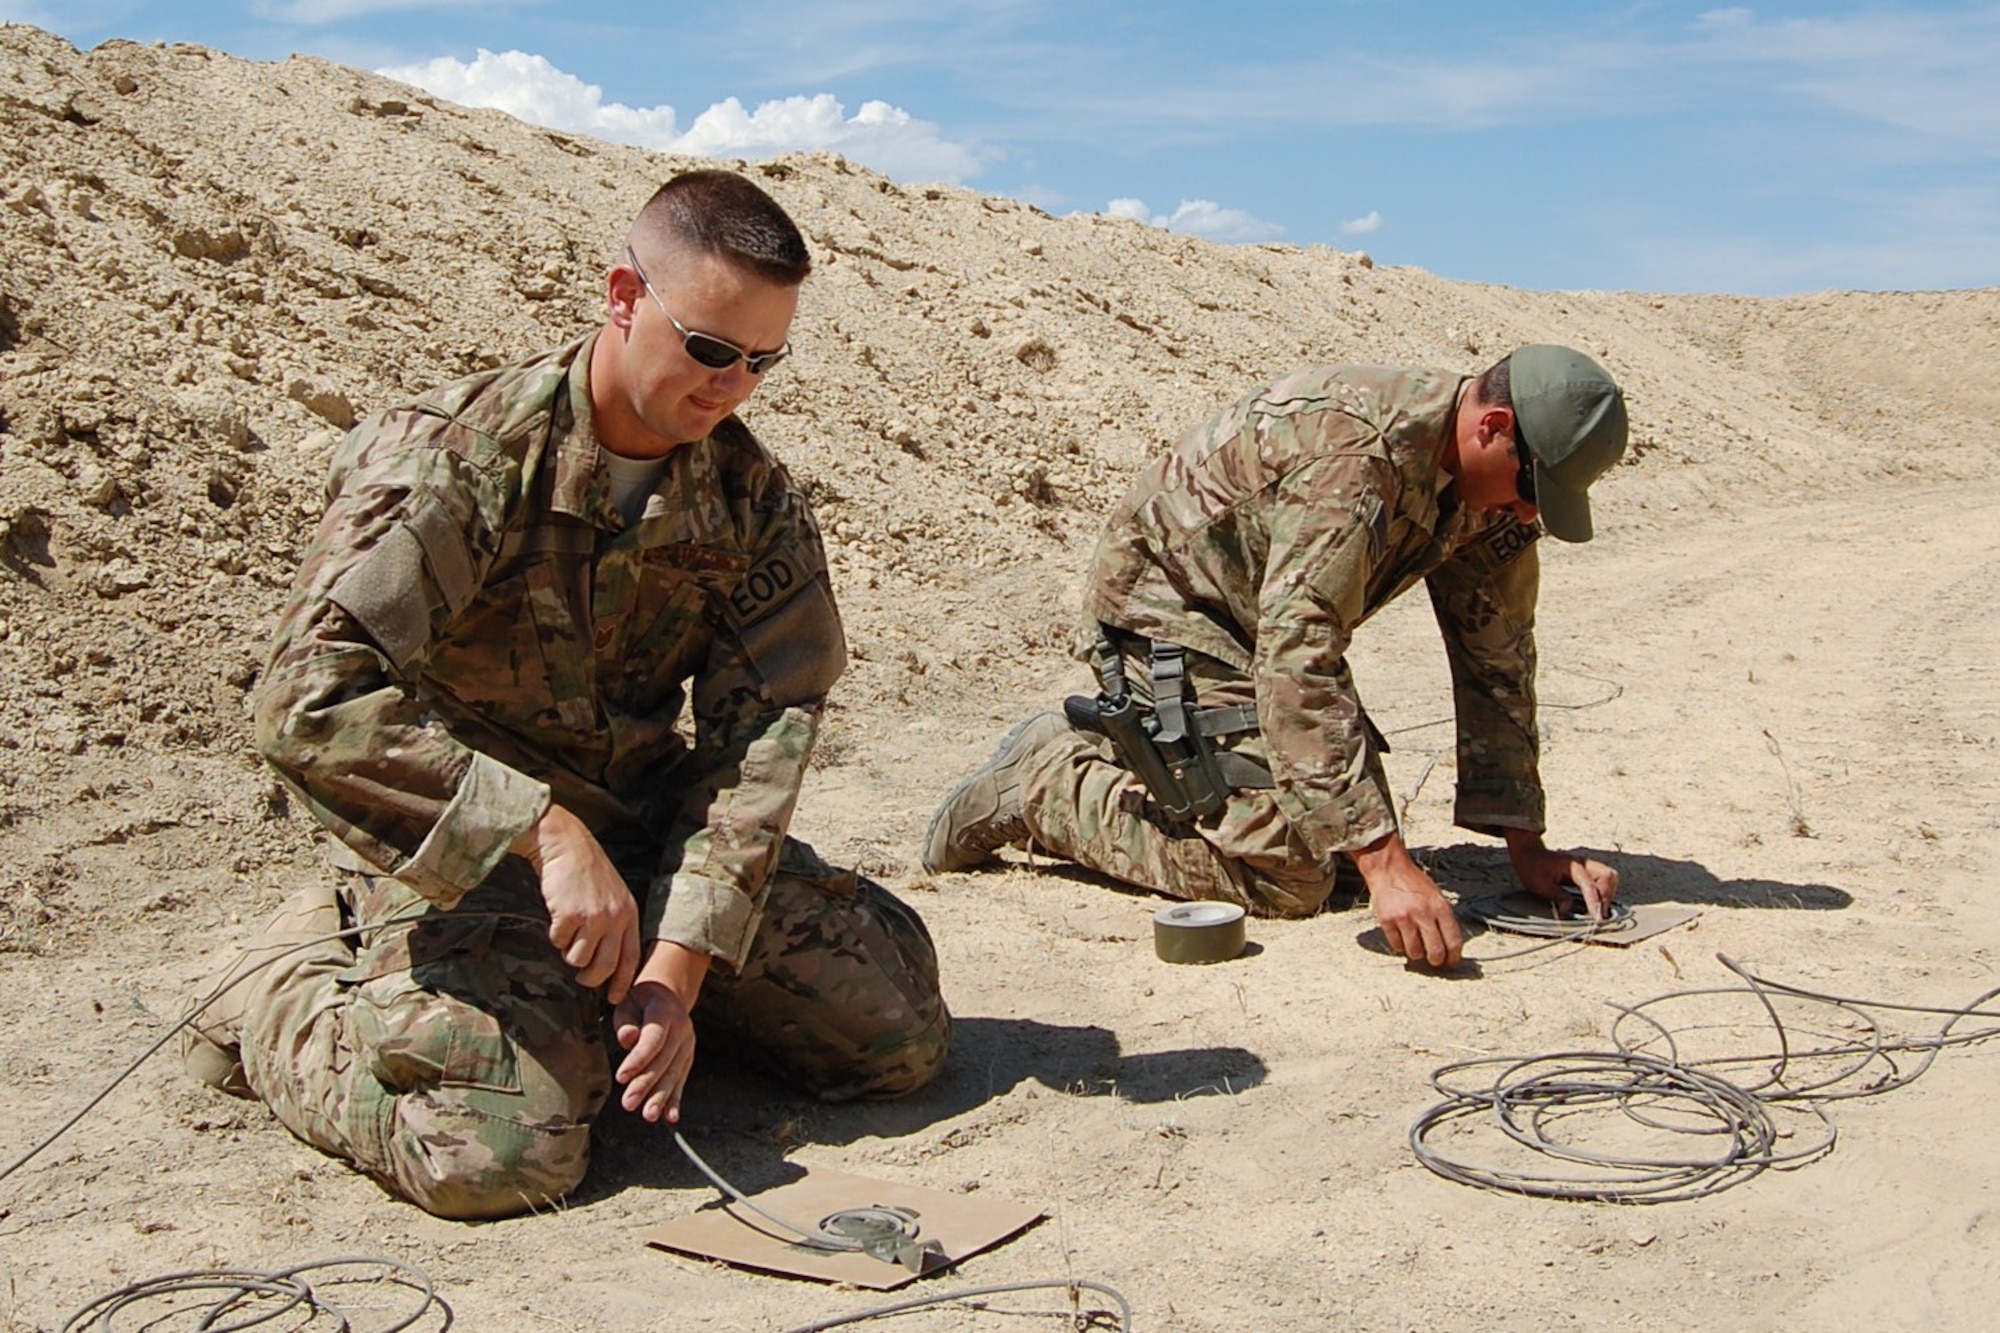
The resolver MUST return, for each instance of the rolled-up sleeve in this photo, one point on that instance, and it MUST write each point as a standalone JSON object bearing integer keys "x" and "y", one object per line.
{"x": 757, "y": 704}
{"x": 405, "y": 538}
{"x": 1484, "y": 598}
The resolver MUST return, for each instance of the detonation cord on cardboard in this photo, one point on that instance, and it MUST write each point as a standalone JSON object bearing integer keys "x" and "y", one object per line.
{"x": 889, "y": 1234}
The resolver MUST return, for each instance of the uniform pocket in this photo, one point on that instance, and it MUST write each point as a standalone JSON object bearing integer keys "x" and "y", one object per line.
{"x": 424, "y": 1005}
{"x": 431, "y": 1026}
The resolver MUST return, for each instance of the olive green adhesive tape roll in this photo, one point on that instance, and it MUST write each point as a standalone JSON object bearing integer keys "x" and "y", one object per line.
{"x": 1198, "y": 932}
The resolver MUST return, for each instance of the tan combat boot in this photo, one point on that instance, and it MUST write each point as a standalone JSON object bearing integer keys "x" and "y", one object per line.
{"x": 983, "y": 812}
{"x": 210, "y": 1045}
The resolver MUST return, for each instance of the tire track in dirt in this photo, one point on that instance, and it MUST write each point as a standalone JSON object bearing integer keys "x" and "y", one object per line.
{"x": 1834, "y": 660}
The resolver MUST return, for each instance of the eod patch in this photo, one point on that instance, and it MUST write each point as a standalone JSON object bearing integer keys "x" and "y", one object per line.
{"x": 1509, "y": 540}
{"x": 767, "y": 584}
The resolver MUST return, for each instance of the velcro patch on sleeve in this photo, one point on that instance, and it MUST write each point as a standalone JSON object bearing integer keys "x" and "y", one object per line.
{"x": 446, "y": 552}
{"x": 696, "y": 559}
{"x": 384, "y": 592}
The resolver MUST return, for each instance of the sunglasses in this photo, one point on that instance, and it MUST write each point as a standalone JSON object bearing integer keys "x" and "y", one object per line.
{"x": 705, "y": 348}
{"x": 1524, "y": 477}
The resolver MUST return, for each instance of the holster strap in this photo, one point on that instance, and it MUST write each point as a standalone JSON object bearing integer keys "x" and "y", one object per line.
{"x": 1227, "y": 720}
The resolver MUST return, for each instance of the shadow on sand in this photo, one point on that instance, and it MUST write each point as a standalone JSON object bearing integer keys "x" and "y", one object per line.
{"x": 744, "y": 1124}
{"x": 1471, "y": 870}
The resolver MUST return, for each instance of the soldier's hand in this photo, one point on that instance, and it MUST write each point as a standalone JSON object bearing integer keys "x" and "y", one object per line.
{"x": 654, "y": 1024}
{"x": 1416, "y": 918}
{"x": 1546, "y": 872}
{"x": 593, "y": 920}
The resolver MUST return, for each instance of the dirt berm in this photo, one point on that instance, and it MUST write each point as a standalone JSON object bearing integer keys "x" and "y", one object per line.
{"x": 1770, "y": 690}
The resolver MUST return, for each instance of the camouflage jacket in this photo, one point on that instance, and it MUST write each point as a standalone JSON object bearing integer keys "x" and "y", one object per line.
{"x": 1267, "y": 534}
{"x": 475, "y": 632}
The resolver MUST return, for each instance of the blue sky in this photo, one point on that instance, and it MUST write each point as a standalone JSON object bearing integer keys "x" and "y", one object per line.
{"x": 1765, "y": 149}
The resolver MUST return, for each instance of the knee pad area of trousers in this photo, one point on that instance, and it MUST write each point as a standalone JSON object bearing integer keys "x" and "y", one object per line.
{"x": 459, "y": 1162}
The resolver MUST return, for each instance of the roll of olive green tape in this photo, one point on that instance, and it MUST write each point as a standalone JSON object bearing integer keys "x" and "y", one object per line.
{"x": 1198, "y": 932}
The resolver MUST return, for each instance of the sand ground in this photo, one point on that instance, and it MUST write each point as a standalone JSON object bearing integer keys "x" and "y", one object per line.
{"x": 1770, "y": 687}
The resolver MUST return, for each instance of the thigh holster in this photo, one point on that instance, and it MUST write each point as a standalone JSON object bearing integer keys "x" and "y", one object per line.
{"x": 1169, "y": 744}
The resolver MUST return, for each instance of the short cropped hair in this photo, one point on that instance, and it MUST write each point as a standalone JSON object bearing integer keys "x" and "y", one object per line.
{"x": 721, "y": 213}
{"x": 1496, "y": 383}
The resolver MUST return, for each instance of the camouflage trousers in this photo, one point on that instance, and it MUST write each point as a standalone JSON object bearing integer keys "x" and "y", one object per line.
{"x": 456, "y": 1059}
{"x": 1081, "y": 804}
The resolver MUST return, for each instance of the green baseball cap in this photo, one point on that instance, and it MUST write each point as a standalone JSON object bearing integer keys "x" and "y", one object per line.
{"x": 1571, "y": 416}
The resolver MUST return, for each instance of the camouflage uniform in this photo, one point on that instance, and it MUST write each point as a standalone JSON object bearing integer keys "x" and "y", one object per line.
{"x": 476, "y": 633}
{"x": 1259, "y": 542}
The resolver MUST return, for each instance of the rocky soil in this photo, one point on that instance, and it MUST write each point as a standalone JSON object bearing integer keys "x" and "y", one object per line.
{"x": 1772, "y": 687}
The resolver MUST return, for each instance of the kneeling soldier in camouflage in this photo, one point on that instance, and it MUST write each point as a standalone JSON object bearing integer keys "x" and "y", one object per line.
{"x": 1227, "y": 755}
{"x": 522, "y": 582}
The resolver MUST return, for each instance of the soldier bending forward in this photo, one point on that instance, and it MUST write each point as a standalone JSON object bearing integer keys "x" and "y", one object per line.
{"x": 1233, "y": 760}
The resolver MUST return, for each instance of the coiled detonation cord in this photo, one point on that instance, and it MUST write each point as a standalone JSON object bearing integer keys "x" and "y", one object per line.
{"x": 1544, "y": 1107}
{"x": 250, "y": 1298}
{"x": 247, "y": 1298}
{"x": 885, "y": 1233}
{"x": 1617, "y": 917}
{"x": 1552, "y": 930}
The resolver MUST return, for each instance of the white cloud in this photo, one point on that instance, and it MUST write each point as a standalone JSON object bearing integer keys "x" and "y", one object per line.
{"x": 1720, "y": 20}
{"x": 530, "y": 88}
{"x": 879, "y": 135}
{"x": 1199, "y": 217}
{"x": 885, "y": 137}
{"x": 1363, "y": 226}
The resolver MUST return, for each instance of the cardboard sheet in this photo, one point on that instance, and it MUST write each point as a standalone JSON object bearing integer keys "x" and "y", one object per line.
{"x": 962, "y": 1224}
{"x": 1647, "y": 920}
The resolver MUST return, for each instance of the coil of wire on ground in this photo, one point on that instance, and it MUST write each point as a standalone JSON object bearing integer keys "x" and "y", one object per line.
{"x": 1617, "y": 918}
{"x": 1788, "y": 1071}
{"x": 225, "y": 1299}
{"x": 1615, "y": 1120}
{"x": 1529, "y": 1100}
{"x": 1550, "y": 932}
